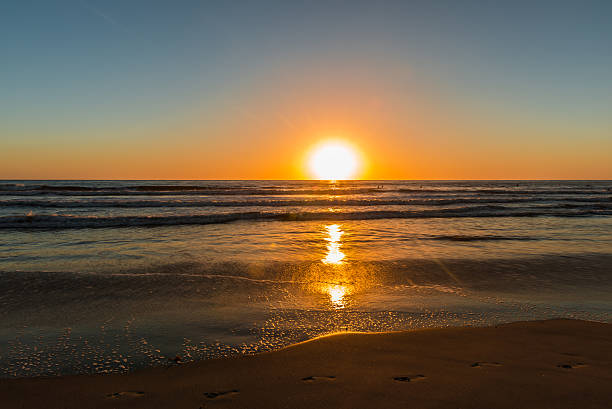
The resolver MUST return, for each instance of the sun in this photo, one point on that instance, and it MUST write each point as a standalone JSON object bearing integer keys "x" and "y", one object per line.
{"x": 333, "y": 160}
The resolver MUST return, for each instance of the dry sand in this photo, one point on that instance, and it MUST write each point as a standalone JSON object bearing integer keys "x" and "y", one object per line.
{"x": 540, "y": 364}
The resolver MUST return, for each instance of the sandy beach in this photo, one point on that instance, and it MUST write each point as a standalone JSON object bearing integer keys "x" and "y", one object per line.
{"x": 539, "y": 364}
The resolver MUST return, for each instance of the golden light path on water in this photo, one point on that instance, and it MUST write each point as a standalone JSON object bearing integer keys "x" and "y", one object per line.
{"x": 334, "y": 255}
{"x": 336, "y": 294}
{"x": 334, "y": 258}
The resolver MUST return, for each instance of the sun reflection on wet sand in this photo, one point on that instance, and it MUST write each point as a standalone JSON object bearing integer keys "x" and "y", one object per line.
{"x": 334, "y": 255}
{"x": 336, "y": 293}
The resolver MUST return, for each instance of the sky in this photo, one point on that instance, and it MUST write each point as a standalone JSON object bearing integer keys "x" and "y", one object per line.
{"x": 243, "y": 90}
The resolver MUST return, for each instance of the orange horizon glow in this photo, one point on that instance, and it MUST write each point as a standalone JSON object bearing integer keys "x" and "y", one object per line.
{"x": 422, "y": 156}
{"x": 283, "y": 154}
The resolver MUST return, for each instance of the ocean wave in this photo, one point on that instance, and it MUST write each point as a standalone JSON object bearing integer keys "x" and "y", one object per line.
{"x": 55, "y": 221}
{"x": 101, "y": 203}
{"x": 480, "y": 238}
{"x": 21, "y": 189}
{"x": 139, "y": 190}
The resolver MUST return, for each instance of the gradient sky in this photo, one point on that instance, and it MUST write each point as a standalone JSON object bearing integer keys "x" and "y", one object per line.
{"x": 242, "y": 90}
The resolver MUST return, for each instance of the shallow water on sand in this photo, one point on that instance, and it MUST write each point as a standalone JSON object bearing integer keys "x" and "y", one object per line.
{"x": 100, "y": 277}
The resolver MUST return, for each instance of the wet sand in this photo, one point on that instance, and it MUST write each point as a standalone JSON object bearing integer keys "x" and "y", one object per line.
{"x": 538, "y": 364}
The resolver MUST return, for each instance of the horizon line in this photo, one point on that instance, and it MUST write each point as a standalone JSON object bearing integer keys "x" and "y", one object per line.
{"x": 320, "y": 180}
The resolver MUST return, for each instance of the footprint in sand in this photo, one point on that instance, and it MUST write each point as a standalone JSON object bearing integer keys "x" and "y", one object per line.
{"x": 125, "y": 394}
{"x": 217, "y": 395}
{"x": 481, "y": 364}
{"x": 318, "y": 378}
{"x": 572, "y": 366}
{"x": 410, "y": 378}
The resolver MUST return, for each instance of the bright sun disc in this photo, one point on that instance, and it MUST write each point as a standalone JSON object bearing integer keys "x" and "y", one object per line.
{"x": 333, "y": 161}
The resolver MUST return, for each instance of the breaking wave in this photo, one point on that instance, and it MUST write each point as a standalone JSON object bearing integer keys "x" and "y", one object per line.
{"x": 55, "y": 221}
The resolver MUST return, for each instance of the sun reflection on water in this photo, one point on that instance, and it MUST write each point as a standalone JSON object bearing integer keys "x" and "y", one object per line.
{"x": 334, "y": 258}
{"x": 334, "y": 255}
{"x": 336, "y": 293}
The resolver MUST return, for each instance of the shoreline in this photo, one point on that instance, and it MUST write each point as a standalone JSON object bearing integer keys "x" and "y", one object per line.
{"x": 554, "y": 363}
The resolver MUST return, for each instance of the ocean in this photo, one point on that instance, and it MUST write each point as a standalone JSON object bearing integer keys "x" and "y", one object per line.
{"x": 111, "y": 276}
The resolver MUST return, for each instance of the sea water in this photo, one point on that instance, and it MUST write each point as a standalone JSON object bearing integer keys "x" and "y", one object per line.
{"x": 109, "y": 276}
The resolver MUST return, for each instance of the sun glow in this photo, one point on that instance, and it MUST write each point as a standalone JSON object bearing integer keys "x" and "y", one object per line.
{"x": 333, "y": 160}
